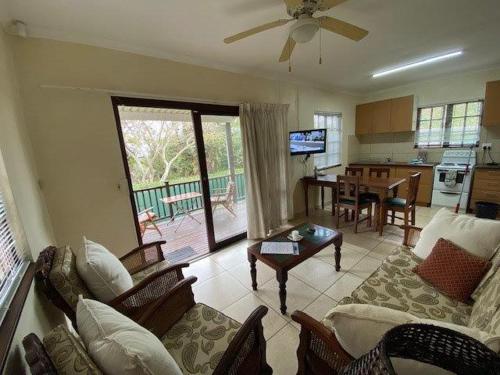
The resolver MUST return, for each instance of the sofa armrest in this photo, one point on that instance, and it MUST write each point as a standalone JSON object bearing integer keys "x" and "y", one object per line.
{"x": 319, "y": 351}
{"x": 411, "y": 235}
{"x": 143, "y": 256}
{"x": 246, "y": 353}
{"x": 161, "y": 315}
{"x": 136, "y": 301}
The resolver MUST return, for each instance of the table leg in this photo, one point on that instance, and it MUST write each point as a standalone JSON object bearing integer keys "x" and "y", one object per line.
{"x": 334, "y": 200}
{"x": 381, "y": 217}
{"x": 306, "y": 197}
{"x": 337, "y": 258}
{"x": 322, "y": 197}
{"x": 282, "y": 277}
{"x": 253, "y": 270}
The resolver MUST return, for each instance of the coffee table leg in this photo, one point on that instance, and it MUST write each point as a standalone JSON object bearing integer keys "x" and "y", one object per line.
{"x": 282, "y": 277}
{"x": 253, "y": 270}
{"x": 337, "y": 258}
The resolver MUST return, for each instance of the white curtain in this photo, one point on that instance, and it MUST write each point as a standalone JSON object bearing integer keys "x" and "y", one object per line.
{"x": 264, "y": 134}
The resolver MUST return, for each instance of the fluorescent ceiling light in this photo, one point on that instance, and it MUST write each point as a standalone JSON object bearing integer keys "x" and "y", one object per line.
{"x": 418, "y": 63}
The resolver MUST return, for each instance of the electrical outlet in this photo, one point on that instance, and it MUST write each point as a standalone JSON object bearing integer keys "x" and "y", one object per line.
{"x": 486, "y": 146}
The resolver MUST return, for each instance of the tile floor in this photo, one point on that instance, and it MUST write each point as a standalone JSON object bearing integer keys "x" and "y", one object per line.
{"x": 314, "y": 286}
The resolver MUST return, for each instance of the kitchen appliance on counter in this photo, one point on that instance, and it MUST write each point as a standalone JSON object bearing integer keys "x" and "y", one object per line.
{"x": 454, "y": 171}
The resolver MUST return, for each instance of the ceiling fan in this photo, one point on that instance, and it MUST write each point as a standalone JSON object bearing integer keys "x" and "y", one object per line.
{"x": 305, "y": 26}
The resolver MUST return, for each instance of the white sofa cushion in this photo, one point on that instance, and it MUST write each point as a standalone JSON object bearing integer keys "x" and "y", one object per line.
{"x": 359, "y": 328}
{"x": 102, "y": 271}
{"x": 118, "y": 345}
{"x": 478, "y": 236}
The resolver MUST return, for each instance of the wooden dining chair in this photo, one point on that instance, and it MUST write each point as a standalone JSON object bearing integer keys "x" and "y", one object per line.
{"x": 354, "y": 171}
{"x": 379, "y": 172}
{"x": 406, "y": 206}
{"x": 348, "y": 198}
{"x": 376, "y": 172}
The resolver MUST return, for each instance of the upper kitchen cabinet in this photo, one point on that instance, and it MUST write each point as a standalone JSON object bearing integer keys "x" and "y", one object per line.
{"x": 382, "y": 116}
{"x": 364, "y": 118}
{"x": 491, "y": 116}
{"x": 402, "y": 114}
{"x": 385, "y": 116}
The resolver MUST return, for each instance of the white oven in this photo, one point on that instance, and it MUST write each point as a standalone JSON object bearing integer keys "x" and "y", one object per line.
{"x": 450, "y": 176}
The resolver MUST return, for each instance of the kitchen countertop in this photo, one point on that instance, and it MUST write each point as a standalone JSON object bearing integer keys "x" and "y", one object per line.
{"x": 396, "y": 164}
{"x": 485, "y": 166}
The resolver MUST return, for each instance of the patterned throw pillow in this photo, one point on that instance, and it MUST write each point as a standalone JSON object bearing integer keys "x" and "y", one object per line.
{"x": 452, "y": 270}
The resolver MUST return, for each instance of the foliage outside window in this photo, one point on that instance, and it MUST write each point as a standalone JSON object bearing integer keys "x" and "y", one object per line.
{"x": 449, "y": 125}
{"x": 332, "y": 122}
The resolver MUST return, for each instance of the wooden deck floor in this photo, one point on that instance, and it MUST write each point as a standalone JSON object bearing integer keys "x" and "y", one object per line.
{"x": 190, "y": 233}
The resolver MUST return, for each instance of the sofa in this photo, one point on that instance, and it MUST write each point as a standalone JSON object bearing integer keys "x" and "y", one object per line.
{"x": 394, "y": 294}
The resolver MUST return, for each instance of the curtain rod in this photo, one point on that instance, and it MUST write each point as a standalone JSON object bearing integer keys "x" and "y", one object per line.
{"x": 113, "y": 92}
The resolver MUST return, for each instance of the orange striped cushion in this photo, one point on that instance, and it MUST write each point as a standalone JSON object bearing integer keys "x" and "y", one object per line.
{"x": 452, "y": 270}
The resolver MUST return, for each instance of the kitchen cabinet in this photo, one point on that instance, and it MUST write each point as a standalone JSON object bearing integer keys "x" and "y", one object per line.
{"x": 485, "y": 187}
{"x": 381, "y": 117}
{"x": 364, "y": 118}
{"x": 385, "y": 116}
{"x": 491, "y": 116}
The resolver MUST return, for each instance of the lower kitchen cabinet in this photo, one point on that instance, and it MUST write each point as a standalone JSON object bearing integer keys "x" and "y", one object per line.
{"x": 485, "y": 187}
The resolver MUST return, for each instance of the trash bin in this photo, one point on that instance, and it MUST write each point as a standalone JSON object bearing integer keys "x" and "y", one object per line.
{"x": 486, "y": 210}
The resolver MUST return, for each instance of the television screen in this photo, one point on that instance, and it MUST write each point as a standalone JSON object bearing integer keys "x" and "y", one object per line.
{"x": 308, "y": 142}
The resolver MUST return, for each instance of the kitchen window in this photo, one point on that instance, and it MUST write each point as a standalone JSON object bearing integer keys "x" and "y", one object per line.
{"x": 332, "y": 122}
{"x": 449, "y": 125}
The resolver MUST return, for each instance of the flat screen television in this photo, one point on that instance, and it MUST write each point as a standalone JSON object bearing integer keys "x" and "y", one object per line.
{"x": 306, "y": 142}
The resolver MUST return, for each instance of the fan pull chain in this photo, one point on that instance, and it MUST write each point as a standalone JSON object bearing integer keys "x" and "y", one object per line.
{"x": 320, "y": 47}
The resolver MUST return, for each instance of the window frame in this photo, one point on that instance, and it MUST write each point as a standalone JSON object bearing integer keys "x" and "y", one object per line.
{"x": 329, "y": 128}
{"x": 446, "y": 123}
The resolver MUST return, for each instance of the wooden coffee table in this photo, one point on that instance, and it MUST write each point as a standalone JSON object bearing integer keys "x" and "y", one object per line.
{"x": 311, "y": 244}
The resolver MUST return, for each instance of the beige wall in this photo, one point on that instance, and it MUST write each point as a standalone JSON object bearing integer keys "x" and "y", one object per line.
{"x": 16, "y": 151}
{"x": 74, "y": 132}
{"x": 449, "y": 89}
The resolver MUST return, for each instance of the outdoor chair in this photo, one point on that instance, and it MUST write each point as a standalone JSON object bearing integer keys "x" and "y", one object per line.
{"x": 224, "y": 197}
{"x": 200, "y": 339}
{"x": 56, "y": 274}
{"x": 146, "y": 220}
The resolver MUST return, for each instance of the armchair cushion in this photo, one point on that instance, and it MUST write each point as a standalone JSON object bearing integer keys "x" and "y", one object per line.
{"x": 485, "y": 312}
{"x": 102, "y": 271}
{"x": 67, "y": 353}
{"x": 119, "y": 345}
{"x": 65, "y": 278}
{"x": 141, "y": 275}
{"x": 200, "y": 338}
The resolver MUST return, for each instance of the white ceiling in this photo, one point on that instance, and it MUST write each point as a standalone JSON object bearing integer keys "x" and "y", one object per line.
{"x": 192, "y": 31}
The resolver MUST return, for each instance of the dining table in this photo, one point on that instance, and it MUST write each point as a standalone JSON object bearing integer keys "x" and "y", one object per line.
{"x": 378, "y": 185}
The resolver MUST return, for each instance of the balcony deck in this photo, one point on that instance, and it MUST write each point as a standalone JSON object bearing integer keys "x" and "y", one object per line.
{"x": 192, "y": 234}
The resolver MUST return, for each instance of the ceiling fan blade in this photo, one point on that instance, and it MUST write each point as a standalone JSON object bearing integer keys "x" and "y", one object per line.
{"x": 328, "y": 4}
{"x": 256, "y": 30}
{"x": 343, "y": 28}
{"x": 293, "y": 3}
{"x": 287, "y": 49}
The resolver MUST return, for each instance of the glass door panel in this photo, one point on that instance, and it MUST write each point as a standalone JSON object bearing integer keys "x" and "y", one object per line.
{"x": 224, "y": 159}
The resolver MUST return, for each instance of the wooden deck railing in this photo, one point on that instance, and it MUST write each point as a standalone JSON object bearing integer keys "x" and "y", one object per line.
{"x": 151, "y": 197}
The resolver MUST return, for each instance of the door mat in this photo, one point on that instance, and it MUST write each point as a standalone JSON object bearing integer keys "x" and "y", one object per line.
{"x": 180, "y": 255}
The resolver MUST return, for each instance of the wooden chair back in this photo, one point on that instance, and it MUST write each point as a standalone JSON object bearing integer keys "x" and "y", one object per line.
{"x": 348, "y": 188}
{"x": 231, "y": 192}
{"x": 414, "y": 181}
{"x": 379, "y": 172}
{"x": 354, "y": 171}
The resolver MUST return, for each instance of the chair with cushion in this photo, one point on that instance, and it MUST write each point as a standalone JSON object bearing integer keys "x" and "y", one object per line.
{"x": 376, "y": 172}
{"x": 178, "y": 337}
{"x": 152, "y": 276}
{"x": 146, "y": 220}
{"x": 406, "y": 206}
{"x": 224, "y": 197}
{"x": 349, "y": 198}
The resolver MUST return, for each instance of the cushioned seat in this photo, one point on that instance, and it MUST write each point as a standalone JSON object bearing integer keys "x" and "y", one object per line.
{"x": 199, "y": 339}
{"x": 362, "y": 201}
{"x": 396, "y": 286}
{"x": 141, "y": 275}
{"x": 369, "y": 197}
{"x": 400, "y": 202}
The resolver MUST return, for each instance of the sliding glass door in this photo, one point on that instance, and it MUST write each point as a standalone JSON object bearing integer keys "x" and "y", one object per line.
{"x": 184, "y": 167}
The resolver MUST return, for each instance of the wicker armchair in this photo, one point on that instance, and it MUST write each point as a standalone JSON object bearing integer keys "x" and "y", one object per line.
{"x": 175, "y": 317}
{"x": 319, "y": 351}
{"x": 57, "y": 277}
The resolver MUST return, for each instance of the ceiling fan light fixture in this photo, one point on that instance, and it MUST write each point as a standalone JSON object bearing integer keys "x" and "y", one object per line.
{"x": 304, "y": 29}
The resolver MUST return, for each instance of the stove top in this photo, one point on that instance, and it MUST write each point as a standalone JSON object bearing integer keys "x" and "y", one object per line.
{"x": 457, "y": 159}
